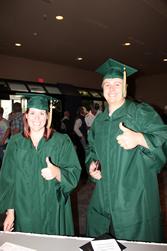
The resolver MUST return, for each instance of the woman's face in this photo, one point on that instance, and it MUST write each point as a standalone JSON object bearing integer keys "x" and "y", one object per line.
{"x": 36, "y": 119}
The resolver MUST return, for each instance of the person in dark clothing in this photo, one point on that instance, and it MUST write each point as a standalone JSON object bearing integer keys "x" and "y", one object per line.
{"x": 66, "y": 124}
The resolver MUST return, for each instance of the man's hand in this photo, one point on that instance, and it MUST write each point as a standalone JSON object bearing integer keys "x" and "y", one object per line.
{"x": 51, "y": 171}
{"x": 94, "y": 172}
{"x": 130, "y": 139}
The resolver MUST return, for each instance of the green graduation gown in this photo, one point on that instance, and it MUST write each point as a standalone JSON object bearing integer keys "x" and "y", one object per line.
{"x": 41, "y": 206}
{"x": 126, "y": 199}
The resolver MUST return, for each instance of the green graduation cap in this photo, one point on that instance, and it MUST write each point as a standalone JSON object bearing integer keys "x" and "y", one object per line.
{"x": 38, "y": 101}
{"x": 114, "y": 69}
{"x": 41, "y": 102}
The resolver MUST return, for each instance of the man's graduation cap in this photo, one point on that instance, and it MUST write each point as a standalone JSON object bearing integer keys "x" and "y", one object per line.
{"x": 114, "y": 69}
{"x": 41, "y": 102}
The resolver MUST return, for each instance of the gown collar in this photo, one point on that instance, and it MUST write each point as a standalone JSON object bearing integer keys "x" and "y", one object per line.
{"x": 120, "y": 112}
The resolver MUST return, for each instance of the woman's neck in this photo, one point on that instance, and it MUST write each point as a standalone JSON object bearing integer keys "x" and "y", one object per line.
{"x": 36, "y": 137}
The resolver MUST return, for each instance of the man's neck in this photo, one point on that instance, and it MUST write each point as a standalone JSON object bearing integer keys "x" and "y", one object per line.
{"x": 114, "y": 107}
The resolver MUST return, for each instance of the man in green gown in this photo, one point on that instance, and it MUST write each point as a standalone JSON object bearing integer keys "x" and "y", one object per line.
{"x": 40, "y": 169}
{"x": 128, "y": 139}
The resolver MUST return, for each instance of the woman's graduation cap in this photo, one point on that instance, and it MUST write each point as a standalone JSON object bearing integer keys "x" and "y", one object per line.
{"x": 114, "y": 69}
{"x": 41, "y": 102}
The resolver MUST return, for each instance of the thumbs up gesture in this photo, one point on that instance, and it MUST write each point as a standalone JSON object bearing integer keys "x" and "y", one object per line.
{"x": 51, "y": 171}
{"x": 129, "y": 139}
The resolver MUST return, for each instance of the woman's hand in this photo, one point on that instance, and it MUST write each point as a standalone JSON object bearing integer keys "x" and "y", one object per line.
{"x": 8, "y": 224}
{"x": 94, "y": 171}
{"x": 51, "y": 171}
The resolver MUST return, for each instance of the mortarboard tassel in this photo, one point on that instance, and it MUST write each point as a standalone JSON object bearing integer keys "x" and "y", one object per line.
{"x": 124, "y": 89}
{"x": 50, "y": 115}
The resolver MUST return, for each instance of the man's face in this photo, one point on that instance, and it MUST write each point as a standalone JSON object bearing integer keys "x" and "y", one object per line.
{"x": 112, "y": 90}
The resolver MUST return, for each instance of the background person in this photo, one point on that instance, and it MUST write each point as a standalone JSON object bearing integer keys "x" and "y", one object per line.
{"x": 66, "y": 124}
{"x": 80, "y": 137}
{"x": 97, "y": 108}
{"x": 39, "y": 171}
{"x": 4, "y": 133}
{"x": 128, "y": 139}
{"x": 16, "y": 119}
{"x": 90, "y": 116}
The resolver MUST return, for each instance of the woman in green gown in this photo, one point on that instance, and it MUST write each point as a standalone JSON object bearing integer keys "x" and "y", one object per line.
{"x": 128, "y": 139}
{"x": 40, "y": 169}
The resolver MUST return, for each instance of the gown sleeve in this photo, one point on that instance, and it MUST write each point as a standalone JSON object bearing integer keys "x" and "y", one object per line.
{"x": 150, "y": 124}
{"x": 91, "y": 154}
{"x": 7, "y": 175}
{"x": 70, "y": 166}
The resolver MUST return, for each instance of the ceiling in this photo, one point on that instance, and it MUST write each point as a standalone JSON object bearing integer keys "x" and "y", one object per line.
{"x": 92, "y": 29}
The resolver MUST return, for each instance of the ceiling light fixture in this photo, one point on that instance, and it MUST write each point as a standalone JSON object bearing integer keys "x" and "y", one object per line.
{"x": 45, "y": 16}
{"x": 127, "y": 44}
{"x": 79, "y": 58}
{"x": 35, "y": 34}
{"x": 165, "y": 59}
{"x": 18, "y": 44}
{"x": 59, "y": 18}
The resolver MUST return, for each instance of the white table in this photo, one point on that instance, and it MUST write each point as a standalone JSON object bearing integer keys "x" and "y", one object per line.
{"x": 63, "y": 243}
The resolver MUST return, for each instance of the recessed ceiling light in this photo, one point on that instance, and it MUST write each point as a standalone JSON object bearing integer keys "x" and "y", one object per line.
{"x": 165, "y": 59}
{"x": 35, "y": 34}
{"x": 79, "y": 58}
{"x": 45, "y": 16}
{"x": 127, "y": 44}
{"x": 59, "y": 18}
{"x": 18, "y": 44}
